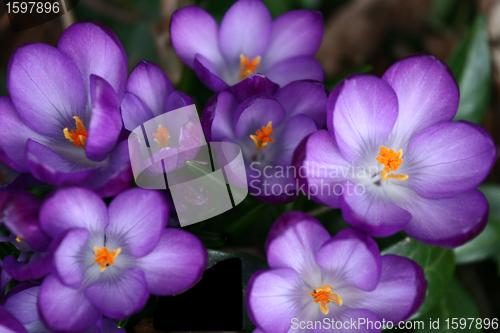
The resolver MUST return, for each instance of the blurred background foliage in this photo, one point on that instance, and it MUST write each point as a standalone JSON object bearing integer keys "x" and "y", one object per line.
{"x": 364, "y": 36}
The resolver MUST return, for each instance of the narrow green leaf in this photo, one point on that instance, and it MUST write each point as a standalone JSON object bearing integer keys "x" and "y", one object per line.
{"x": 240, "y": 225}
{"x": 249, "y": 265}
{"x": 438, "y": 264}
{"x": 471, "y": 66}
{"x": 487, "y": 243}
{"x": 209, "y": 239}
{"x": 455, "y": 303}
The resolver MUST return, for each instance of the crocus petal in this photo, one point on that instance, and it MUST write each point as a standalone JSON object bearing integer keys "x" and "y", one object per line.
{"x": 245, "y": 29}
{"x": 448, "y": 158}
{"x": 177, "y": 100}
{"x": 121, "y": 296}
{"x": 136, "y": 219}
{"x": 293, "y": 242}
{"x": 400, "y": 292}
{"x": 109, "y": 326}
{"x": 447, "y": 222}
{"x": 349, "y": 259}
{"x": 320, "y": 164}
{"x": 23, "y": 304}
{"x": 68, "y": 257}
{"x": 96, "y": 50}
{"x": 9, "y": 324}
{"x": 52, "y": 168}
{"x": 296, "y": 33}
{"x": 253, "y": 85}
{"x": 274, "y": 298}
{"x": 295, "y": 130}
{"x": 46, "y": 88}
{"x": 116, "y": 176}
{"x": 372, "y": 213}
{"x": 134, "y": 112}
{"x": 106, "y": 121}
{"x": 148, "y": 82}
{"x": 206, "y": 71}
{"x": 222, "y": 125}
{"x": 193, "y": 31}
{"x": 13, "y": 136}
{"x": 304, "y": 97}
{"x": 255, "y": 113}
{"x": 176, "y": 264}
{"x": 63, "y": 308}
{"x": 294, "y": 69}
{"x": 33, "y": 270}
{"x": 427, "y": 95}
{"x": 73, "y": 207}
{"x": 362, "y": 110}
{"x": 20, "y": 215}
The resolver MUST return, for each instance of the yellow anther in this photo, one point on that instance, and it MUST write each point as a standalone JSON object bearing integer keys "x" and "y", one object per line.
{"x": 78, "y": 138}
{"x": 323, "y": 296}
{"x": 262, "y": 138}
{"x": 162, "y": 137}
{"x": 104, "y": 257}
{"x": 247, "y": 66}
{"x": 19, "y": 239}
{"x": 392, "y": 161}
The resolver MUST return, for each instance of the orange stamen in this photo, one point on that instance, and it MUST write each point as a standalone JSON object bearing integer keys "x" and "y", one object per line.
{"x": 162, "y": 137}
{"x": 19, "y": 239}
{"x": 79, "y": 138}
{"x": 392, "y": 161}
{"x": 323, "y": 296}
{"x": 262, "y": 138}
{"x": 247, "y": 66}
{"x": 104, "y": 257}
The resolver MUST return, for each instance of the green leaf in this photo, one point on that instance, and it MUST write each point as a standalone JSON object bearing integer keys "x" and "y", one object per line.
{"x": 487, "y": 243}
{"x": 471, "y": 66}
{"x": 438, "y": 264}
{"x": 455, "y": 303}
{"x": 209, "y": 239}
{"x": 240, "y": 225}
{"x": 249, "y": 265}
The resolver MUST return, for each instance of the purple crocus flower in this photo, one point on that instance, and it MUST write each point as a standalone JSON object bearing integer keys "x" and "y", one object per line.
{"x": 20, "y": 215}
{"x": 21, "y": 303}
{"x": 267, "y": 123}
{"x": 108, "y": 260}
{"x": 174, "y": 137}
{"x": 317, "y": 278}
{"x": 61, "y": 120}
{"x": 392, "y": 159}
{"x": 248, "y": 41}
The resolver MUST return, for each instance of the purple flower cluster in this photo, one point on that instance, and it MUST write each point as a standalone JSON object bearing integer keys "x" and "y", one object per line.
{"x": 95, "y": 260}
{"x": 390, "y": 158}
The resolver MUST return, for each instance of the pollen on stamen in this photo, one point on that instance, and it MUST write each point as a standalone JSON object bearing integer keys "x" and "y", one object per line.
{"x": 19, "y": 239}
{"x": 104, "y": 257}
{"x": 247, "y": 66}
{"x": 162, "y": 137}
{"x": 391, "y": 161}
{"x": 323, "y": 296}
{"x": 78, "y": 137}
{"x": 263, "y": 136}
